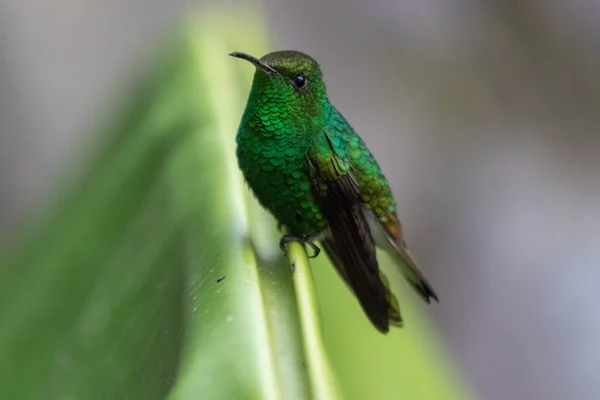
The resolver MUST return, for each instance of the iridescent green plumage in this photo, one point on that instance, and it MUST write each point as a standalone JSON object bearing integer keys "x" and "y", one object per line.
{"x": 310, "y": 169}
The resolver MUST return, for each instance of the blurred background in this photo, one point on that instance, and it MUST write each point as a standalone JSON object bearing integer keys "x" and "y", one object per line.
{"x": 484, "y": 116}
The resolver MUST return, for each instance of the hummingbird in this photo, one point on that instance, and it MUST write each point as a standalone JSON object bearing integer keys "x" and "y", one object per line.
{"x": 310, "y": 169}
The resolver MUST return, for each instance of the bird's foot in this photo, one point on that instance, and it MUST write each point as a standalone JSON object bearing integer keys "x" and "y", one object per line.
{"x": 305, "y": 240}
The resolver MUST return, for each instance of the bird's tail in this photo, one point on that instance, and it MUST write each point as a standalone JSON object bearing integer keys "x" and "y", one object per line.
{"x": 412, "y": 273}
{"x": 396, "y": 248}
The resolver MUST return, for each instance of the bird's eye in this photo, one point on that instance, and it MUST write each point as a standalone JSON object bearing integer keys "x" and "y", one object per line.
{"x": 300, "y": 81}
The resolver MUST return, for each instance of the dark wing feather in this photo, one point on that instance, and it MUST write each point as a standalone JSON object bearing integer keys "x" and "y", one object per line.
{"x": 350, "y": 245}
{"x": 394, "y": 316}
{"x": 352, "y": 249}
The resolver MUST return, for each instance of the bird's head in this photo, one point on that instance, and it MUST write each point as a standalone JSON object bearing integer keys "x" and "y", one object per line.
{"x": 288, "y": 87}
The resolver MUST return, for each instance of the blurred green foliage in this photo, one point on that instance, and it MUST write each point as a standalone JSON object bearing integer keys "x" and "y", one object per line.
{"x": 157, "y": 275}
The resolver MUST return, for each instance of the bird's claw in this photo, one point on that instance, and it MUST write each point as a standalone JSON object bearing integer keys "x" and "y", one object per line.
{"x": 285, "y": 239}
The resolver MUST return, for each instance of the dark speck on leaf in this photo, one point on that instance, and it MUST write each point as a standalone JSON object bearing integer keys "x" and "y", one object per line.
{"x": 293, "y": 268}
{"x": 220, "y": 279}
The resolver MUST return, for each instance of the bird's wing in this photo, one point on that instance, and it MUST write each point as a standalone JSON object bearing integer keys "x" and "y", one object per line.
{"x": 350, "y": 245}
{"x": 375, "y": 193}
{"x": 332, "y": 251}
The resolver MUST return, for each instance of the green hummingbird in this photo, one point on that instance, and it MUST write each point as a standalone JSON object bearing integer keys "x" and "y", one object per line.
{"x": 310, "y": 169}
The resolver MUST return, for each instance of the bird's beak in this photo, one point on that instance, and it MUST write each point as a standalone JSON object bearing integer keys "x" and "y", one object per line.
{"x": 258, "y": 63}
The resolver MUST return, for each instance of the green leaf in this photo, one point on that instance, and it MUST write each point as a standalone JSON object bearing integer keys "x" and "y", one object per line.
{"x": 153, "y": 277}
{"x": 156, "y": 275}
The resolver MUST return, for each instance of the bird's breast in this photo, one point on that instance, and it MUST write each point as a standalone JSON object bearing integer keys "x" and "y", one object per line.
{"x": 277, "y": 172}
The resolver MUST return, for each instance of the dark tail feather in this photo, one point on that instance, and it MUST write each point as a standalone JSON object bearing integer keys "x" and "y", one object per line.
{"x": 394, "y": 308}
{"x": 413, "y": 274}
